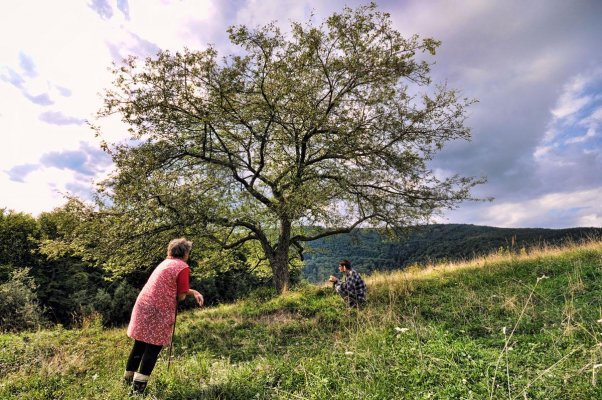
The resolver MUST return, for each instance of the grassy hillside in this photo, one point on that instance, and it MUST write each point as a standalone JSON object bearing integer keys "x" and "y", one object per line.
{"x": 501, "y": 327}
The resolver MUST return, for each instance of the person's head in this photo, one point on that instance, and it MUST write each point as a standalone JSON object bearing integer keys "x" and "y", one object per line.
{"x": 179, "y": 248}
{"x": 344, "y": 265}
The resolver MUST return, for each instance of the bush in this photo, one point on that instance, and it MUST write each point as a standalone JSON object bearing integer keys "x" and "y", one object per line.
{"x": 112, "y": 308}
{"x": 123, "y": 300}
{"x": 19, "y": 308}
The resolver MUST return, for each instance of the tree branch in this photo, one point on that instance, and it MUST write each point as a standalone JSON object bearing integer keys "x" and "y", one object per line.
{"x": 303, "y": 238}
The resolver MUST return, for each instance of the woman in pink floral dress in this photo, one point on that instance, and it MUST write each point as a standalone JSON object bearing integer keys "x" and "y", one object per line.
{"x": 153, "y": 316}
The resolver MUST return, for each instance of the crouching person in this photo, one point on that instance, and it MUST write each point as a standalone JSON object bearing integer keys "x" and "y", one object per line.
{"x": 153, "y": 316}
{"x": 353, "y": 288}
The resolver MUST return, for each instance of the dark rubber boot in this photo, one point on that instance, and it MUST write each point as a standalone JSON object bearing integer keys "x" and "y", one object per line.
{"x": 139, "y": 383}
{"x": 138, "y": 387}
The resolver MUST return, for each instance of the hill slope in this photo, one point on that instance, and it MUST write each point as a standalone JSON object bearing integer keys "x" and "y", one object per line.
{"x": 509, "y": 327}
{"x": 425, "y": 244}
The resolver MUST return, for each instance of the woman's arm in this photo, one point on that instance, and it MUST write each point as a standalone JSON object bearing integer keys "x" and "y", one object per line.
{"x": 184, "y": 289}
{"x": 191, "y": 292}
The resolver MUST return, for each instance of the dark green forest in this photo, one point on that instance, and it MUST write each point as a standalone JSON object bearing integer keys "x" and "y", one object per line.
{"x": 46, "y": 280}
{"x": 369, "y": 250}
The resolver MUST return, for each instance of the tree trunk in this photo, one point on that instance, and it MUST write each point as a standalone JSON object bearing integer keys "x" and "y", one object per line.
{"x": 278, "y": 258}
{"x": 279, "y": 264}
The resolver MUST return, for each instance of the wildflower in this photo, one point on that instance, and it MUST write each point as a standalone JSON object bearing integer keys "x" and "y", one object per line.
{"x": 401, "y": 330}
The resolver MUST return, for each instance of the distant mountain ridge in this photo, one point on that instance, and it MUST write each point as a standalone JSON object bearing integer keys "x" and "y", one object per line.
{"x": 370, "y": 251}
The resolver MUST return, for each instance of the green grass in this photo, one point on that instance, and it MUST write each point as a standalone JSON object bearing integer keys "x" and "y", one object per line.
{"x": 501, "y": 327}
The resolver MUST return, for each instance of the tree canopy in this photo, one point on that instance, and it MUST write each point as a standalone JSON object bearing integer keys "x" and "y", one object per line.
{"x": 328, "y": 126}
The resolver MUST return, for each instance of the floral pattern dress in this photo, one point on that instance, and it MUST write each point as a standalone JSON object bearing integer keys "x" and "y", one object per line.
{"x": 154, "y": 313}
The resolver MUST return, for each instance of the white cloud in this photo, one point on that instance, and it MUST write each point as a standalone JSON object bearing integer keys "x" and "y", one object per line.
{"x": 59, "y": 54}
{"x": 592, "y": 123}
{"x": 591, "y": 133}
{"x": 25, "y": 137}
{"x": 259, "y": 12}
{"x": 541, "y": 67}
{"x": 431, "y": 19}
{"x": 42, "y": 190}
{"x": 569, "y": 105}
{"x": 65, "y": 43}
{"x": 170, "y": 24}
{"x": 594, "y": 220}
{"x": 574, "y": 121}
{"x": 573, "y": 99}
{"x": 553, "y": 210}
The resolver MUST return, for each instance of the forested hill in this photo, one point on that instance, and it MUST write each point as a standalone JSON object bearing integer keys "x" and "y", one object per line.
{"x": 370, "y": 251}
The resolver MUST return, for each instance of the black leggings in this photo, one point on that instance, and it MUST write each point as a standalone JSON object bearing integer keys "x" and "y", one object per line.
{"x": 143, "y": 355}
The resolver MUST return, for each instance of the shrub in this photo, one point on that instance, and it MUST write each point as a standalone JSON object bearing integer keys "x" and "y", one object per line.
{"x": 122, "y": 303}
{"x": 19, "y": 307}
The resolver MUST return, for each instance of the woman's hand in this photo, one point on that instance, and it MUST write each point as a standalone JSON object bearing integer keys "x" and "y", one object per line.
{"x": 198, "y": 297}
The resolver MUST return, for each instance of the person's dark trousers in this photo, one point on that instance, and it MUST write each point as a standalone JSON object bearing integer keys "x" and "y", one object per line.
{"x": 354, "y": 303}
{"x": 143, "y": 358}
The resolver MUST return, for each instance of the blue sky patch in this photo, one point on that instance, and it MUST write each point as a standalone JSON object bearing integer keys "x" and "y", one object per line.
{"x": 41, "y": 99}
{"x": 18, "y": 173}
{"x": 58, "y": 118}
{"x": 102, "y": 8}
{"x": 27, "y": 65}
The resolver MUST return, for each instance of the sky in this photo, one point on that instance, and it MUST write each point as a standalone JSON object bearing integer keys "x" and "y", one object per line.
{"x": 534, "y": 66}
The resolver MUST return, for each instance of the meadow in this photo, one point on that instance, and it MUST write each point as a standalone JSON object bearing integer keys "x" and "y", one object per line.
{"x": 505, "y": 326}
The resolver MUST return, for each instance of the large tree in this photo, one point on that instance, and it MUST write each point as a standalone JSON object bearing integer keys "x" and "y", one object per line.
{"x": 328, "y": 126}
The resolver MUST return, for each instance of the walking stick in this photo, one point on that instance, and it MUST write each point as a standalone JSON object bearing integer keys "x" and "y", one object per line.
{"x": 173, "y": 333}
